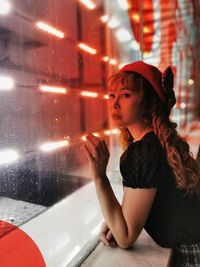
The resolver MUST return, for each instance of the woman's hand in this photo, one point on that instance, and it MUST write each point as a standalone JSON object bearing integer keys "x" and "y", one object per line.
{"x": 98, "y": 155}
{"x": 106, "y": 236}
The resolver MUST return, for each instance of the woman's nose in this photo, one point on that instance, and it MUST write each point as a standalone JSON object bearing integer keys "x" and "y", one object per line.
{"x": 116, "y": 103}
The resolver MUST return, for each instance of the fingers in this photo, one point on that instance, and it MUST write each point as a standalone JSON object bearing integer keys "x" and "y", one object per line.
{"x": 105, "y": 148}
{"x": 108, "y": 239}
{"x": 96, "y": 146}
{"x": 106, "y": 236}
{"x": 104, "y": 227}
{"x": 104, "y": 239}
{"x": 104, "y": 230}
{"x": 109, "y": 235}
{"x": 95, "y": 141}
{"x": 88, "y": 153}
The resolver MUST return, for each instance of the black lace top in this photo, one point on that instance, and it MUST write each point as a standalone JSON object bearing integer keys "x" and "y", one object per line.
{"x": 174, "y": 217}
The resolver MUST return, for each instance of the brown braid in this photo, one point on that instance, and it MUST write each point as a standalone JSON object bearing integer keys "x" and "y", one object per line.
{"x": 184, "y": 166}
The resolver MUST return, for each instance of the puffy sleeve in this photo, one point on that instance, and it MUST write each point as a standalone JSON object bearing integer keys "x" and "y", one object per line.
{"x": 142, "y": 165}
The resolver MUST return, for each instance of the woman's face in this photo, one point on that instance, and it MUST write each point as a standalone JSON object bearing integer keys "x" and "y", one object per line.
{"x": 124, "y": 104}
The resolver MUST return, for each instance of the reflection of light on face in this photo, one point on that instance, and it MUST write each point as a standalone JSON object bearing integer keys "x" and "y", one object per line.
{"x": 8, "y": 156}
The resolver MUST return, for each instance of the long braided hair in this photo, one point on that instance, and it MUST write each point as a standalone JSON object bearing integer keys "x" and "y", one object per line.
{"x": 157, "y": 115}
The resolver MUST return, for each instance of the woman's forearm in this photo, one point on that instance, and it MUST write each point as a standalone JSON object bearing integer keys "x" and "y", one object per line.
{"x": 112, "y": 211}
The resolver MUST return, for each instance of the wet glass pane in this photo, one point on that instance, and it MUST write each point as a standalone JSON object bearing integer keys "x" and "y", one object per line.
{"x": 43, "y": 114}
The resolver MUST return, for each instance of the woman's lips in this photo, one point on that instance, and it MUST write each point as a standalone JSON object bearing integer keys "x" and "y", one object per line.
{"x": 116, "y": 117}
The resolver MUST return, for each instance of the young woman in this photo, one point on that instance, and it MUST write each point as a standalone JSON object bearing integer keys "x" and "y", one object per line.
{"x": 161, "y": 182}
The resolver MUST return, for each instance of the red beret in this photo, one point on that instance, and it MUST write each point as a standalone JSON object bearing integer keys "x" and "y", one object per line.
{"x": 152, "y": 74}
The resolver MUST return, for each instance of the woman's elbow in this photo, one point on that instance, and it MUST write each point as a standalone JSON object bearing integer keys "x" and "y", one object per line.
{"x": 125, "y": 244}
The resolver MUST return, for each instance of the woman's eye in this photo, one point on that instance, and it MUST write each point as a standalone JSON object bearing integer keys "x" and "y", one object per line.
{"x": 126, "y": 95}
{"x": 111, "y": 95}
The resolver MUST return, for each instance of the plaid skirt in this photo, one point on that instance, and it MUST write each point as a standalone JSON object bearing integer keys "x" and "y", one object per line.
{"x": 185, "y": 256}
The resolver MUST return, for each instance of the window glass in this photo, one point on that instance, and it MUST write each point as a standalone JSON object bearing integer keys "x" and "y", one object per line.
{"x": 55, "y": 56}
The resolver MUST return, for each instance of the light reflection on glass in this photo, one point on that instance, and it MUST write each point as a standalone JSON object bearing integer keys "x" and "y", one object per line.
{"x": 6, "y": 83}
{"x": 8, "y": 156}
{"x": 47, "y": 147}
{"x": 5, "y": 7}
{"x": 87, "y": 48}
{"x": 48, "y": 28}
{"x": 53, "y": 89}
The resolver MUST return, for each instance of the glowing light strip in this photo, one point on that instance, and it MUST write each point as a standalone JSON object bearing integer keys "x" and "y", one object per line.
{"x": 89, "y": 94}
{"x": 53, "y": 89}
{"x": 87, "y": 48}
{"x": 84, "y": 136}
{"x": 8, "y": 156}
{"x": 115, "y": 131}
{"x": 47, "y": 28}
{"x": 105, "y": 18}
{"x": 113, "y": 61}
{"x": 6, "y": 83}
{"x": 96, "y": 134}
{"x": 53, "y": 146}
{"x": 105, "y": 58}
{"x": 5, "y": 7}
{"x": 190, "y": 81}
{"x": 136, "y": 17}
{"x": 146, "y": 30}
{"x": 89, "y": 4}
{"x": 107, "y": 132}
{"x": 106, "y": 96}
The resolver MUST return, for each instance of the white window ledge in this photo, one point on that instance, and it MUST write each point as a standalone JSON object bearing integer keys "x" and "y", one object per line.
{"x": 144, "y": 253}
